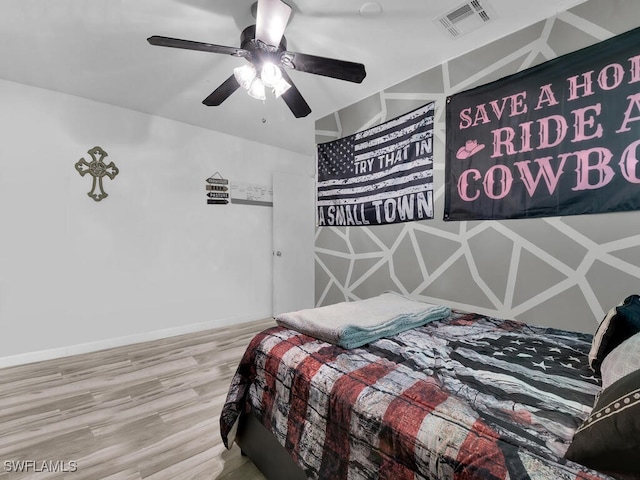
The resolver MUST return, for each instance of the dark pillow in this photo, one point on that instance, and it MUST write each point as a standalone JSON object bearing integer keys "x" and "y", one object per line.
{"x": 619, "y": 324}
{"x": 609, "y": 439}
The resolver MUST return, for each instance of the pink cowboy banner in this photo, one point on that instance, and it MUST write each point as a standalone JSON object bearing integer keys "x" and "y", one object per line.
{"x": 561, "y": 138}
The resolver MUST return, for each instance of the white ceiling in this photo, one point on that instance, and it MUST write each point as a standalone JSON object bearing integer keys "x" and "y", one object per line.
{"x": 97, "y": 49}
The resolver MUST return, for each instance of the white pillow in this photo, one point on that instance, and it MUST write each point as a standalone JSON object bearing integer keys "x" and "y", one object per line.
{"x": 621, "y": 361}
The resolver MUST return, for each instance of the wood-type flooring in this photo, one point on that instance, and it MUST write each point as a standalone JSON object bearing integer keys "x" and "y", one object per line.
{"x": 145, "y": 411}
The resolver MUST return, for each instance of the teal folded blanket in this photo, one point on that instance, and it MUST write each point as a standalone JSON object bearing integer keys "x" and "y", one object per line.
{"x": 353, "y": 324}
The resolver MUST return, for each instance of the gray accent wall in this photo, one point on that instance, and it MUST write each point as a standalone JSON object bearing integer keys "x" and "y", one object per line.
{"x": 565, "y": 272}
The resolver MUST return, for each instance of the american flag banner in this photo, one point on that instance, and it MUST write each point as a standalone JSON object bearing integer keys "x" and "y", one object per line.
{"x": 380, "y": 175}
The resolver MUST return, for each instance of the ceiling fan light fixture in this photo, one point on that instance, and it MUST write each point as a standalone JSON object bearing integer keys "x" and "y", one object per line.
{"x": 256, "y": 90}
{"x": 245, "y": 75}
{"x": 280, "y": 87}
{"x": 270, "y": 74}
{"x": 265, "y": 41}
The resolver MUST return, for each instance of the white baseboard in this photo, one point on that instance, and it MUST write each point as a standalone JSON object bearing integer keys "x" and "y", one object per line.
{"x": 50, "y": 354}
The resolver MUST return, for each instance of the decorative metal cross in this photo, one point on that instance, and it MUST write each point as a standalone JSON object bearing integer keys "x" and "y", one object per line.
{"x": 97, "y": 169}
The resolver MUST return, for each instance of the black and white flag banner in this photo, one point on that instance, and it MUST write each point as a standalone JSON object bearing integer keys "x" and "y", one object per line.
{"x": 380, "y": 175}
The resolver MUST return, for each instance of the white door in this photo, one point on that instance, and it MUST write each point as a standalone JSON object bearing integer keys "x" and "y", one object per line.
{"x": 294, "y": 220}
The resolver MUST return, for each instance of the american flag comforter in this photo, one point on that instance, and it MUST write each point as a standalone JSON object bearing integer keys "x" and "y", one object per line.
{"x": 467, "y": 397}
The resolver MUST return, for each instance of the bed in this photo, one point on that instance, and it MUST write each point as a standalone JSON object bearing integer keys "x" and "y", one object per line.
{"x": 463, "y": 396}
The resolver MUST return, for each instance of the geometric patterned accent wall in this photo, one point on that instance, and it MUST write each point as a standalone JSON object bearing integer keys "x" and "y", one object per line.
{"x": 564, "y": 272}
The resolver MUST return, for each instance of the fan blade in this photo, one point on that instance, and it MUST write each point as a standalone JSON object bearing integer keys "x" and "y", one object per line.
{"x": 294, "y": 100}
{"x": 223, "y": 92}
{"x": 203, "y": 47}
{"x": 329, "y": 67}
{"x": 271, "y": 20}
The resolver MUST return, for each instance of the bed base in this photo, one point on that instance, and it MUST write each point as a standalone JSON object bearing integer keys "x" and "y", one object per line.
{"x": 264, "y": 450}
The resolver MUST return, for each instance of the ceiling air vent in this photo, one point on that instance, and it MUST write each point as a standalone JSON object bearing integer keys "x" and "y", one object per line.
{"x": 466, "y": 17}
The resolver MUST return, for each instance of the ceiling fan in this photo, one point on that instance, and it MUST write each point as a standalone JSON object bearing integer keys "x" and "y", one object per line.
{"x": 265, "y": 48}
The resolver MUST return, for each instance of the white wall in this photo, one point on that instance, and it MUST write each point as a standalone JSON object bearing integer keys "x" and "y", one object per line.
{"x": 150, "y": 259}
